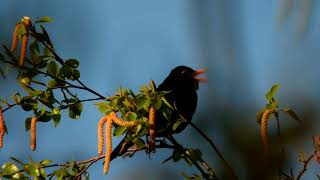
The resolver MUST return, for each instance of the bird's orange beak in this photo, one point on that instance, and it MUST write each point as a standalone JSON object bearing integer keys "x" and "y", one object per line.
{"x": 198, "y": 72}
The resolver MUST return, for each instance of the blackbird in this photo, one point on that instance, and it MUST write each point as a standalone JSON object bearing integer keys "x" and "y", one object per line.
{"x": 182, "y": 84}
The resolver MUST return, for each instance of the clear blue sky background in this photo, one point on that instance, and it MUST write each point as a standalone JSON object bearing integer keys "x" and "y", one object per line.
{"x": 127, "y": 43}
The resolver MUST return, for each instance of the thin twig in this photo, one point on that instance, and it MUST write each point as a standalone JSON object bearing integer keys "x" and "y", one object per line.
{"x": 305, "y": 164}
{"x": 215, "y": 149}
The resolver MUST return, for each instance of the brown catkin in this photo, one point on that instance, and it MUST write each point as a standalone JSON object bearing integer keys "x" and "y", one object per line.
{"x": 15, "y": 38}
{"x": 2, "y": 128}
{"x": 152, "y": 119}
{"x": 33, "y": 133}
{"x": 25, "y": 39}
{"x": 118, "y": 121}
{"x": 100, "y": 134}
{"x": 264, "y": 129}
{"x": 108, "y": 146}
{"x": 24, "y": 45}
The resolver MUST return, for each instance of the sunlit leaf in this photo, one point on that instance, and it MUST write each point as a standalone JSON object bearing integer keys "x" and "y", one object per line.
{"x": 292, "y": 114}
{"x": 44, "y": 19}
{"x": 270, "y": 94}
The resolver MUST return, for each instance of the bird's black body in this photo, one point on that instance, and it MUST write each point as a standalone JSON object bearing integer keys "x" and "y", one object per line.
{"x": 183, "y": 96}
{"x": 183, "y": 85}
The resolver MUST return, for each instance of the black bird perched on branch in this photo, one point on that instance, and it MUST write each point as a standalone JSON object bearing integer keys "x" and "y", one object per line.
{"x": 183, "y": 83}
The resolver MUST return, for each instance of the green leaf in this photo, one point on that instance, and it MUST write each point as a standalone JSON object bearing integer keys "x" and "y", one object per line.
{"x": 56, "y": 116}
{"x": 156, "y": 103}
{"x": 35, "y": 93}
{"x": 177, "y": 124}
{"x": 54, "y": 83}
{"x": 44, "y": 19}
{"x": 17, "y": 98}
{"x": 292, "y": 114}
{"x": 102, "y": 106}
{"x": 31, "y": 170}
{"x": 45, "y": 162}
{"x": 167, "y": 103}
{"x": 29, "y": 104}
{"x": 27, "y": 123}
{"x": 9, "y": 168}
{"x": 69, "y": 73}
{"x": 118, "y": 131}
{"x": 138, "y": 128}
{"x": 152, "y": 86}
{"x": 75, "y": 110}
{"x": 138, "y": 142}
{"x": 72, "y": 63}
{"x": 61, "y": 173}
{"x": 53, "y": 69}
{"x": 272, "y": 91}
{"x": 131, "y": 116}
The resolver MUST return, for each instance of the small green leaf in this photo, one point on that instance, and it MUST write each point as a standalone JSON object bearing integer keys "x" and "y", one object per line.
{"x": 118, "y": 131}
{"x": 138, "y": 142}
{"x": 45, "y": 162}
{"x": 44, "y": 19}
{"x": 152, "y": 86}
{"x": 75, "y": 110}
{"x": 29, "y": 104}
{"x": 53, "y": 69}
{"x": 17, "y": 98}
{"x": 272, "y": 91}
{"x": 131, "y": 116}
{"x": 177, "y": 124}
{"x": 56, "y": 116}
{"x": 156, "y": 103}
{"x": 31, "y": 170}
{"x": 292, "y": 114}
{"x": 72, "y": 63}
{"x": 27, "y": 123}
{"x": 167, "y": 103}
{"x": 102, "y": 106}
{"x": 9, "y": 168}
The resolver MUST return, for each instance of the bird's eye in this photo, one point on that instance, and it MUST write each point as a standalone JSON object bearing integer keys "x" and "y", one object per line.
{"x": 184, "y": 71}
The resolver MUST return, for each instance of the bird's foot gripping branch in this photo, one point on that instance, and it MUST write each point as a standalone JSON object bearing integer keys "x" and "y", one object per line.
{"x": 43, "y": 75}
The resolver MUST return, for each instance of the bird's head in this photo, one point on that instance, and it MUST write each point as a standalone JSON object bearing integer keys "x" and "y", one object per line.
{"x": 185, "y": 77}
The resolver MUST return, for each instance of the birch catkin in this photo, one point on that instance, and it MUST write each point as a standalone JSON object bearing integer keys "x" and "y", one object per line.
{"x": 108, "y": 146}
{"x": 33, "y": 133}
{"x": 2, "y": 128}
{"x": 152, "y": 119}
{"x": 101, "y": 135}
{"x": 15, "y": 38}
{"x": 264, "y": 129}
{"x": 118, "y": 121}
{"x": 25, "y": 39}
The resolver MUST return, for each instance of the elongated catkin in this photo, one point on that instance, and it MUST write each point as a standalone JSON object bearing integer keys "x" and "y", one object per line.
{"x": 2, "y": 128}
{"x": 101, "y": 123}
{"x": 152, "y": 132}
{"x": 264, "y": 129}
{"x": 25, "y": 38}
{"x": 33, "y": 133}
{"x": 15, "y": 38}
{"x": 108, "y": 146}
{"x": 120, "y": 122}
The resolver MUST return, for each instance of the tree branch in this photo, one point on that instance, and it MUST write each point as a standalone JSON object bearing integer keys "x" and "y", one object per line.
{"x": 215, "y": 149}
